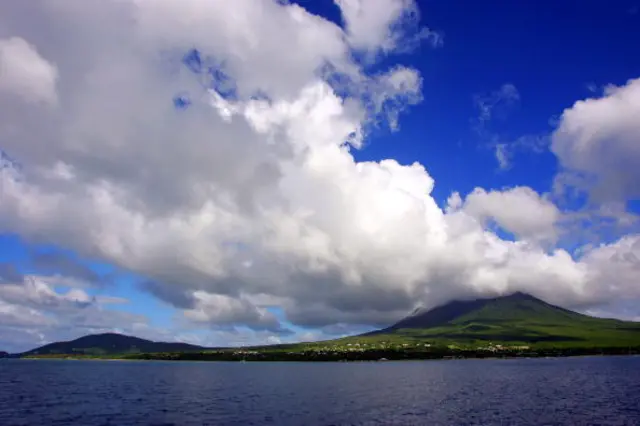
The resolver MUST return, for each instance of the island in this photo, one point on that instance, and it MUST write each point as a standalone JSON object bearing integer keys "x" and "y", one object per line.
{"x": 516, "y": 325}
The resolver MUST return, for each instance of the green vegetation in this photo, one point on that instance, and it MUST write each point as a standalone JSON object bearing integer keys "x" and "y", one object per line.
{"x": 510, "y": 326}
{"x": 516, "y": 320}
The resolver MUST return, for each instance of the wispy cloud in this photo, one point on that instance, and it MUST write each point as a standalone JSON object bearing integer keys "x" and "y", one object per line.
{"x": 494, "y": 103}
{"x": 494, "y": 107}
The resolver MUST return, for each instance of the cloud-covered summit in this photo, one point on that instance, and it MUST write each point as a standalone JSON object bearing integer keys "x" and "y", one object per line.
{"x": 207, "y": 146}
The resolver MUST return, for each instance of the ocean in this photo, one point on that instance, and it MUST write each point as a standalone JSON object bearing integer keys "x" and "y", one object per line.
{"x": 571, "y": 391}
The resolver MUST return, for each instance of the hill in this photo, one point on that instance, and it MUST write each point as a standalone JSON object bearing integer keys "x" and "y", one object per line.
{"x": 110, "y": 344}
{"x": 515, "y": 319}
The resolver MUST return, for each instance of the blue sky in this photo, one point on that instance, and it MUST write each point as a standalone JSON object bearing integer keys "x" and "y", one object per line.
{"x": 552, "y": 54}
{"x": 521, "y": 64}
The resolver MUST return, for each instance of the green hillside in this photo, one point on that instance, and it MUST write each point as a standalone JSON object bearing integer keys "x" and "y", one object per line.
{"x": 518, "y": 319}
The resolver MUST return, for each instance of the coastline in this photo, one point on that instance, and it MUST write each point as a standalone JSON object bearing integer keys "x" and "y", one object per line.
{"x": 312, "y": 356}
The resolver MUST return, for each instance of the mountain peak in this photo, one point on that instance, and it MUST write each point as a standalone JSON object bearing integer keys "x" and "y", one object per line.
{"x": 516, "y": 317}
{"x": 514, "y": 304}
{"x": 519, "y": 295}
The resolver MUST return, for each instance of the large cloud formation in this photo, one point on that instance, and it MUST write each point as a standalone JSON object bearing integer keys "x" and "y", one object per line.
{"x": 599, "y": 140}
{"x": 206, "y": 146}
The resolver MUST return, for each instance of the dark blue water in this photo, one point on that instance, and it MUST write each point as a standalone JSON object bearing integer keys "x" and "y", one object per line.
{"x": 583, "y": 391}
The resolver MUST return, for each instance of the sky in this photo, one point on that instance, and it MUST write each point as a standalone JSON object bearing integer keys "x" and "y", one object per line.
{"x": 262, "y": 171}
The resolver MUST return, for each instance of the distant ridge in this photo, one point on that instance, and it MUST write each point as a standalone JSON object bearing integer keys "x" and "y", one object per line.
{"x": 110, "y": 344}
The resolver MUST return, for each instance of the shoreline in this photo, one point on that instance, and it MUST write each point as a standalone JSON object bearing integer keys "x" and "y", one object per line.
{"x": 340, "y": 357}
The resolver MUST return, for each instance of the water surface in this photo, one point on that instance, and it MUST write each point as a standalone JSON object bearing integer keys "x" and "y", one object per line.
{"x": 590, "y": 390}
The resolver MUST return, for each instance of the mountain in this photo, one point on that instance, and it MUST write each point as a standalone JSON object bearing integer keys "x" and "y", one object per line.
{"x": 110, "y": 344}
{"x": 516, "y": 318}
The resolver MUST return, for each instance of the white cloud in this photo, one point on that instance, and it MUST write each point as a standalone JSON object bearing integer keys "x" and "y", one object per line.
{"x": 614, "y": 269}
{"x": 505, "y": 150}
{"x": 395, "y": 89}
{"x": 503, "y": 156}
{"x": 39, "y": 310}
{"x": 252, "y": 194}
{"x": 384, "y": 25}
{"x": 38, "y": 291}
{"x": 23, "y": 72}
{"x": 518, "y": 210}
{"x": 495, "y": 105}
{"x": 223, "y": 310}
{"x": 246, "y": 337}
{"x": 599, "y": 140}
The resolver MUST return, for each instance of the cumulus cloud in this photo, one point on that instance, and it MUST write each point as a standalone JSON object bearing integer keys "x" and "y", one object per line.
{"x": 224, "y": 310}
{"x": 519, "y": 210}
{"x": 24, "y": 73}
{"x": 35, "y": 292}
{"x": 207, "y": 148}
{"x": 598, "y": 141}
{"x": 41, "y": 309}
